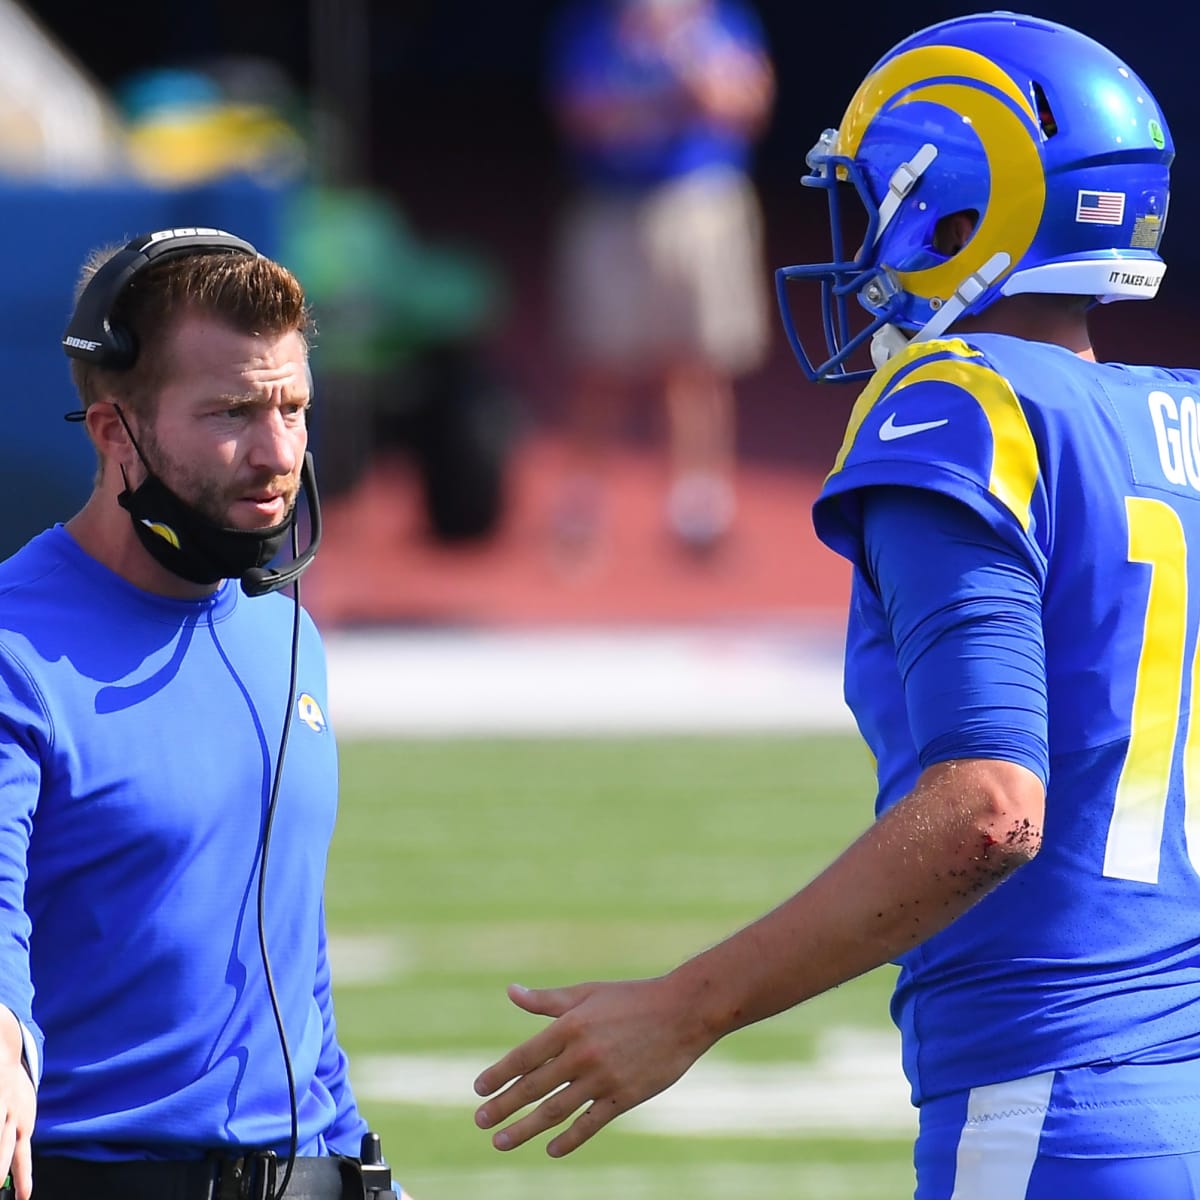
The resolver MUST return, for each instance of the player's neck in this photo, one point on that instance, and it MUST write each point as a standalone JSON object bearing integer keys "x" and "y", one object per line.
{"x": 1058, "y": 320}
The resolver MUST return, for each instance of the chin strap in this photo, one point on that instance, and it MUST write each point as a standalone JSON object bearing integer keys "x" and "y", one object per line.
{"x": 903, "y": 179}
{"x": 889, "y": 340}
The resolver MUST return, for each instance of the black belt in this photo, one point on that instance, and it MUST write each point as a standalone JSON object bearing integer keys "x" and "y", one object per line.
{"x": 253, "y": 1177}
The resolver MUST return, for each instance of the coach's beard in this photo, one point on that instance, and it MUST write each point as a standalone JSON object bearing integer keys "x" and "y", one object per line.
{"x": 187, "y": 542}
{"x": 184, "y": 539}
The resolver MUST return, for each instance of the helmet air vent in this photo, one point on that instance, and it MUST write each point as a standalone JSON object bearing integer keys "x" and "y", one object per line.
{"x": 1045, "y": 113}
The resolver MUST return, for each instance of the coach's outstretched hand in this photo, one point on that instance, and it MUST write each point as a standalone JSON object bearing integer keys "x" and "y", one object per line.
{"x": 18, "y": 1108}
{"x": 613, "y": 1045}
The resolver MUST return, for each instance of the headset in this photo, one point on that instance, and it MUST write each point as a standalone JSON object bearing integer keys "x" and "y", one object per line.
{"x": 92, "y": 337}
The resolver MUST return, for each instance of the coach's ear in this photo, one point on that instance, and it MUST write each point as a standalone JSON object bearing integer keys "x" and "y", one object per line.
{"x": 110, "y": 437}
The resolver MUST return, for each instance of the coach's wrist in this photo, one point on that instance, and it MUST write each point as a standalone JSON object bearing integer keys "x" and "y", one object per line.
{"x": 12, "y": 1042}
{"x": 17, "y": 1044}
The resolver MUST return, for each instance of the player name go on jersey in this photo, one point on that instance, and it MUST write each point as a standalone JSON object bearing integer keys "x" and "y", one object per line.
{"x": 1177, "y": 435}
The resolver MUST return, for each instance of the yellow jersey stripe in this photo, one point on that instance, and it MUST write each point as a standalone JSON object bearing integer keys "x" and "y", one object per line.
{"x": 1014, "y": 470}
{"x": 882, "y": 379}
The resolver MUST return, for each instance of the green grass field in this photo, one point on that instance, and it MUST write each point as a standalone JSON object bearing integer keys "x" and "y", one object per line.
{"x": 460, "y": 866}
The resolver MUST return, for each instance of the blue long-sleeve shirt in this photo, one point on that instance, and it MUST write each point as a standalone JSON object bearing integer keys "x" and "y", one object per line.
{"x": 138, "y": 736}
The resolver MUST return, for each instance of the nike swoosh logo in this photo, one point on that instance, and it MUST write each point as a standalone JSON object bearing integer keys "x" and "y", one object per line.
{"x": 889, "y": 431}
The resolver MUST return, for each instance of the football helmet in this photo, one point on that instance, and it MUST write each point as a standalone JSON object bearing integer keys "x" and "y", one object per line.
{"x": 1050, "y": 139}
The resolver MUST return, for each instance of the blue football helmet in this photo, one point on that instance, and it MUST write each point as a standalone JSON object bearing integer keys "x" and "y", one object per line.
{"x": 1055, "y": 144}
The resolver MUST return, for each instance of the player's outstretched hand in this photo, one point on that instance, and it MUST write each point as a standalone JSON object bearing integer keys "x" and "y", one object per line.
{"x": 610, "y": 1047}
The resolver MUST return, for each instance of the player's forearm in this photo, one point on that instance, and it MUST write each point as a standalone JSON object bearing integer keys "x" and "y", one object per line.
{"x": 964, "y": 828}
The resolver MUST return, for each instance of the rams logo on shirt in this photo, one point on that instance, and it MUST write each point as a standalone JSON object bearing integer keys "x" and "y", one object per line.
{"x": 309, "y": 711}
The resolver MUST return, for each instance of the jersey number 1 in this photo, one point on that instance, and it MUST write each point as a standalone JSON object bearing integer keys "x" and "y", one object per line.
{"x": 1135, "y": 834}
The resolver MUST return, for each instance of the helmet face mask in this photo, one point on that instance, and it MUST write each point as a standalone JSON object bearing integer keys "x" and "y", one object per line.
{"x": 1057, "y": 148}
{"x": 846, "y": 277}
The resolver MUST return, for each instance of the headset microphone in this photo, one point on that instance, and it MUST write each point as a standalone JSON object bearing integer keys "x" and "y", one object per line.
{"x": 258, "y": 581}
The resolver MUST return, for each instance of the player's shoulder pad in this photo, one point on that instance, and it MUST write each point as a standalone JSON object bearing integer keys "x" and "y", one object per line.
{"x": 940, "y": 414}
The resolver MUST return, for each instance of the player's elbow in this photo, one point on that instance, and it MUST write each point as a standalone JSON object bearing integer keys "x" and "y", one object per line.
{"x": 1008, "y": 805}
{"x": 993, "y": 812}
{"x": 1012, "y": 839}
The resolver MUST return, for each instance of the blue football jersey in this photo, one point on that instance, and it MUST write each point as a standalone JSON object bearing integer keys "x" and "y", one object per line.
{"x": 1091, "y": 952}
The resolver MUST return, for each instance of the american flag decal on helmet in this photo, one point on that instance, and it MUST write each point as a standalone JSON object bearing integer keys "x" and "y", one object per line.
{"x": 1100, "y": 208}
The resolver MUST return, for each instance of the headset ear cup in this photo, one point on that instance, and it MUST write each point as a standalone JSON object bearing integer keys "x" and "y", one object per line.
{"x": 123, "y": 348}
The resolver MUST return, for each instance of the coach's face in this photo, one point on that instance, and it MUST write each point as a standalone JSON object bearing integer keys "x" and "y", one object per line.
{"x": 228, "y": 432}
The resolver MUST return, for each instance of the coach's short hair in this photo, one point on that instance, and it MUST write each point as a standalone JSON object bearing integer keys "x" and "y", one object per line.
{"x": 251, "y": 294}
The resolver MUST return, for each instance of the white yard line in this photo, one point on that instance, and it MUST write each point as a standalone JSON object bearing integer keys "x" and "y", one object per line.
{"x": 853, "y": 1087}
{"x": 576, "y": 1180}
{"x": 602, "y": 681}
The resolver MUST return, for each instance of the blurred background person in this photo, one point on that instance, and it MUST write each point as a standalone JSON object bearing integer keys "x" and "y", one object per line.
{"x": 660, "y": 272}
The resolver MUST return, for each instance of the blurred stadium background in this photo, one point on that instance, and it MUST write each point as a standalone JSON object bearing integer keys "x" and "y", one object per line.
{"x": 546, "y": 776}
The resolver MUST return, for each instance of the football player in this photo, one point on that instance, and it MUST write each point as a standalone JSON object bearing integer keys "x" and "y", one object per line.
{"x": 1024, "y": 680}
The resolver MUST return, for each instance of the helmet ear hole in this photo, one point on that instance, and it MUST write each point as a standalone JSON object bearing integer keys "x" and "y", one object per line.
{"x": 954, "y": 231}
